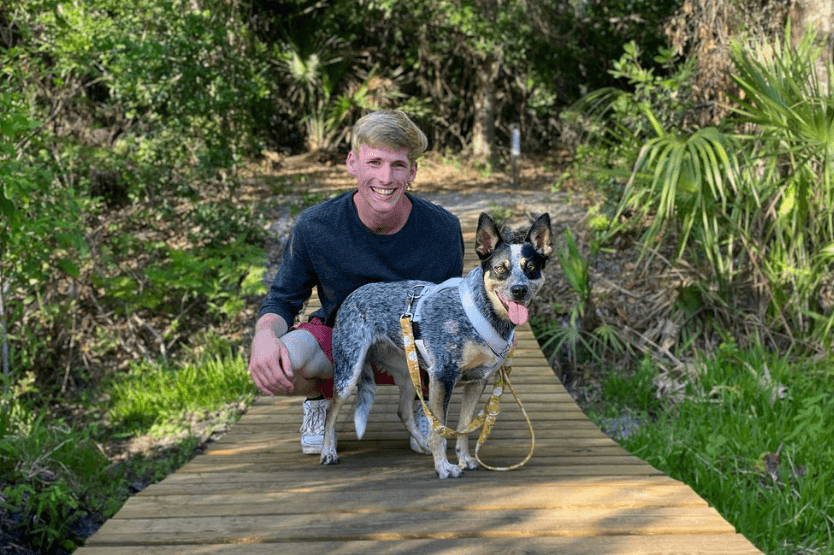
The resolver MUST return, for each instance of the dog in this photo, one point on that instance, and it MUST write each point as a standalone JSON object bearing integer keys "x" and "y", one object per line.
{"x": 454, "y": 349}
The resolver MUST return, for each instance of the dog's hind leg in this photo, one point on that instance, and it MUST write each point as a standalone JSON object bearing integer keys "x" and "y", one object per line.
{"x": 471, "y": 395}
{"x": 328, "y": 450}
{"x": 392, "y": 361}
{"x": 346, "y": 374}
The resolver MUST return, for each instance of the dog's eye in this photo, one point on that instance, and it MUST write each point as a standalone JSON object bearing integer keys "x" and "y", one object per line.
{"x": 500, "y": 270}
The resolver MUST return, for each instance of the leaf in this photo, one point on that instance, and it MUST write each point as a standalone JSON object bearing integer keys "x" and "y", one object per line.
{"x": 8, "y": 209}
{"x": 69, "y": 267}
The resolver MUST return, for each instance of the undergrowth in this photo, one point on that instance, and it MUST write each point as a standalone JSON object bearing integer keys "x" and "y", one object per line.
{"x": 751, "y": 434}
{"x": 59, "y": 478}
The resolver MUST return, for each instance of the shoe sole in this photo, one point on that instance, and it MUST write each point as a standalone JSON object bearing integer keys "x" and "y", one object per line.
{"x": 312, "y": 448}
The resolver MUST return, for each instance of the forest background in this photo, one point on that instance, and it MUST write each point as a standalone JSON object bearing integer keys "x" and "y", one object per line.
{"x": 701, "y": 129}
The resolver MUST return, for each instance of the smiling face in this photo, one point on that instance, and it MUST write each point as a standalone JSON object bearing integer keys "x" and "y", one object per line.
{"x": 382, "y": 177}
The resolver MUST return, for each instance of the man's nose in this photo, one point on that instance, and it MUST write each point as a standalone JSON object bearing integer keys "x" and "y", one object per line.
{"x": 388, "y": 174}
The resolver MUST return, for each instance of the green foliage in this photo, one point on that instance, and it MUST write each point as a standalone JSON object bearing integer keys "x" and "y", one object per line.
{"x": 192, "y": 76}
{"x": 576, "y": 269}
{"x": 682, "y": 184}
{"x": 183, "y": 277}
{"x": 582, "y": 336}
{"x": 105, "y": 103}
{"x": 41, "y": 235}
{"x": 750, "y": 436}
{"x": 738, "y": 206}
{"x": 791, "y": 172}
{"x": 618, "y": 120}
{"x": 180, "y": 85}
{"x": 52, "y": 476}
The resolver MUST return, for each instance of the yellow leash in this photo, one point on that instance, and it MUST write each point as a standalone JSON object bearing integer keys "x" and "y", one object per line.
{"x": 486, "y": 417}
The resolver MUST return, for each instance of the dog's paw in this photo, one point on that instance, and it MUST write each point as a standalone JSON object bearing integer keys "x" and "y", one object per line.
{"x": 465, "y": 460}
{"x": 448, "y": 470}
{"x": 329, "y": 458}
{"x": 420, "y": 444}
{"x": 468, "y": 464}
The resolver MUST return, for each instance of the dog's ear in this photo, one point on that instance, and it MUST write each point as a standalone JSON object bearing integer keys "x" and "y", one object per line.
{"x": 487, "y": 237}
{"x": 540, "y": 235}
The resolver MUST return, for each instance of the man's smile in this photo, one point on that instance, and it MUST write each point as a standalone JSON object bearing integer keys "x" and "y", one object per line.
{"x": 383, "y": 191}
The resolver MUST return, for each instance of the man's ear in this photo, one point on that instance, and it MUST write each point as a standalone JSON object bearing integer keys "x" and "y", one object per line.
{"x": 352, "y": 163}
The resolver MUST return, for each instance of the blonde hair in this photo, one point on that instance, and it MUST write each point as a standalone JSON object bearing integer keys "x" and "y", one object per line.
{"x": 390, "y": 129}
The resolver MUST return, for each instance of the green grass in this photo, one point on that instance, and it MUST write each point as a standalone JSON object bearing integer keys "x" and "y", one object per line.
{"x": 55, "y": 476}
{"x": 752, "y": 435}
{"x": 156, "y": 398}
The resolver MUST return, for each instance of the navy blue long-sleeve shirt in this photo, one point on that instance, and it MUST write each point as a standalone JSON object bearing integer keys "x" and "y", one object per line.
{"x": 332, "y": 251}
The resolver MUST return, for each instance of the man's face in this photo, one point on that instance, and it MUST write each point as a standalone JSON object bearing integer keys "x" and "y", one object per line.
{"x": 382, "y": 176}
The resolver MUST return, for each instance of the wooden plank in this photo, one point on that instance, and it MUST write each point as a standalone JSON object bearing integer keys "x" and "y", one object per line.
{"x": 717, "y": 544}
{"x": 471, "y": 498}
{"x": 434, "y": 524}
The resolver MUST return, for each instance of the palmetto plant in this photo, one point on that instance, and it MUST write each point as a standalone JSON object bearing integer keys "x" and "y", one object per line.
{"x": 683, "y": 184}
{"x": 754, "y": 207}
{"x": 787, "y": 98}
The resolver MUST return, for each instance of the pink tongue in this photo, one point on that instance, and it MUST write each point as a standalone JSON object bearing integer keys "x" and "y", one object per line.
{"x": 518, "y": 313}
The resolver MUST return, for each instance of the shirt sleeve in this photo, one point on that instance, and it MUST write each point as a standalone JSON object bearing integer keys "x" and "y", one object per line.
{"x": 294, "y": 282}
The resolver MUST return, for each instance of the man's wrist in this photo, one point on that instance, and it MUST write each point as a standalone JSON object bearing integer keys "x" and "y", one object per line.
{"x": 273, "y": 323}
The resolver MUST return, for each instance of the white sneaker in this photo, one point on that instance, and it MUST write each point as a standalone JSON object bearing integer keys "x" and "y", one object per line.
{"x": 312, "y": 427}
{"x": 422, "y": 424}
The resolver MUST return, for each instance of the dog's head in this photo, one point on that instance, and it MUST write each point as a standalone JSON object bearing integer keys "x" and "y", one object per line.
{"x": 512, "y": 263}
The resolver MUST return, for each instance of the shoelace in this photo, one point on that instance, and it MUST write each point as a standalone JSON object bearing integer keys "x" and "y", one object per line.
{"x": 314, "y": 419}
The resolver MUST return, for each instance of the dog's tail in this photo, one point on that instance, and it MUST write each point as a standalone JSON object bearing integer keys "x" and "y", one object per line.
{"x": 365, "y": 390}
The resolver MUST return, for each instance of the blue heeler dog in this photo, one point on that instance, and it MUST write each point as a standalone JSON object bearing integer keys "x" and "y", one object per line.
{"x": 466, "y": 329}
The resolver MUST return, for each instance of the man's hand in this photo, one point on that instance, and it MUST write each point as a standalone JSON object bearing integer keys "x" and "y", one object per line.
{"x": 270, "y": 365}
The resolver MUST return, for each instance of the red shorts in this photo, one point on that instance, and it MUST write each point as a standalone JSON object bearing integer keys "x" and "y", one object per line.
{"x": 324, "y": 337}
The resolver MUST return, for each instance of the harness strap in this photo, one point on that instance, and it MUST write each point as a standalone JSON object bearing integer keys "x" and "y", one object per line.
{"x": 500, "y": 346}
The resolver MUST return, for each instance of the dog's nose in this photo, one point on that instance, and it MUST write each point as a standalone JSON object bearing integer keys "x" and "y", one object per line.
{"x": 519, "y": 291}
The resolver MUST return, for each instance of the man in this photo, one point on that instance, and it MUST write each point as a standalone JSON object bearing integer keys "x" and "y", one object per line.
{"x": 378, "y": 232}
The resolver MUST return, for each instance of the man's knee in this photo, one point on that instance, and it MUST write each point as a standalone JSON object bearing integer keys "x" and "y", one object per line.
{"x": 306, "y": 355}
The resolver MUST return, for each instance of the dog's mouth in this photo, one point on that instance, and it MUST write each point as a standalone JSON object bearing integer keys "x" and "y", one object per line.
{"x": 519, "y": 314}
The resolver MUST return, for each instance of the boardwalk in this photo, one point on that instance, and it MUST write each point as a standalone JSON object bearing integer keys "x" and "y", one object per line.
{"x": 253, "y": 492}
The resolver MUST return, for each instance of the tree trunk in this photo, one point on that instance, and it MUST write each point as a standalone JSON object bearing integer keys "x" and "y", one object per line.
{"x": 818, "y": 15}
{"x": 483, "y": 129}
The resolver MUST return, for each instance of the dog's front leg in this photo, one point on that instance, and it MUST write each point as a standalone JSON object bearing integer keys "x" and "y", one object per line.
{"x": 471, "y": 395}
{"x": 439, "y": 395}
